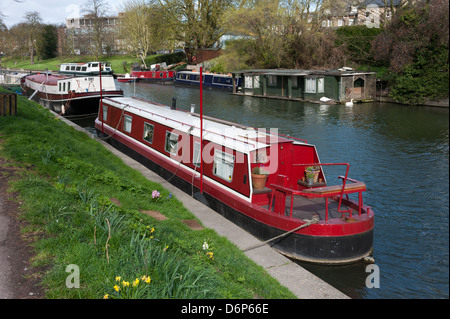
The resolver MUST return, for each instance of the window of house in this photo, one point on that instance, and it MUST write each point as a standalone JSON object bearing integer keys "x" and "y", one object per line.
{"x": 196, "y": 154}
{"x": 105, "y": 113}
{"x": 127, "y": 123}
{"x": 320, "y": 85}
{"x": 294, "y": 81}
{"x": 272, "y": 80}
{"x": 171, "y": 143}
{"x": 223, "y": 165}
{"x": 148, "y": 132}
{"x": 256, "y": 81}
{"x": 248, "y": 80}
{"x": 310, "y": 85}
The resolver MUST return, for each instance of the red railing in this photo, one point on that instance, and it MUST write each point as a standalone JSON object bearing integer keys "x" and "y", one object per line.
{"x": 324, "y": 192}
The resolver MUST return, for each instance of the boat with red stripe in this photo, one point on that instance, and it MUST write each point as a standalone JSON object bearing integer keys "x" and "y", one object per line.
{"x": 69, "y": 94}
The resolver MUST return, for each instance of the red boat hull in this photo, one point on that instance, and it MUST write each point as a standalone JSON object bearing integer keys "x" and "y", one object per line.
{"x": 154, "y": 76}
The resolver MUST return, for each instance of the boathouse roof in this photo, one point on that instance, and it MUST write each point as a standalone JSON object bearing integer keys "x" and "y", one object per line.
{"x": 297, "y": 72}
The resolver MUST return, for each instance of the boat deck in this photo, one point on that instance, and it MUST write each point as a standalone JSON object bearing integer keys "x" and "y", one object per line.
{"x": 306, "y": 208}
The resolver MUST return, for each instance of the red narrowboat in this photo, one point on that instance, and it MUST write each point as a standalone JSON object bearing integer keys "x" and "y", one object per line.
{"x": 154, "y": 76}
{"x": 309, "y": 220}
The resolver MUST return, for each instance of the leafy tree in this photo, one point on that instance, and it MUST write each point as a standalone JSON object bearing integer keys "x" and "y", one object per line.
{"x": 136, "y": 27}
{"x": 356, "y": 43}
{"x": 196, "y": 23}
{"x": 414, "y": 46}
{"x": 281, "y": 34}
{"x": 47, "y": 43}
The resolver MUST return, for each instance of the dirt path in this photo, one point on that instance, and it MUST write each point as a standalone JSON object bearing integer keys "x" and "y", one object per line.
{"x": 18, "y": 279}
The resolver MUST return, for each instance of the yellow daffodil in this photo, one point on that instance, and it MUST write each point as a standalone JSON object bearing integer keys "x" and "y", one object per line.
{"x": 136, "y": 282}
{"x": 118, "y": 278}
{"x": 125, "y": 283}
{"x": 105, "y": 296}
{"x": 116, "y": 288}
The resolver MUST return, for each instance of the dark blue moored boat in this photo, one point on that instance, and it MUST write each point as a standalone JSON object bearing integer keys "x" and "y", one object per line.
{"x": 211, "y": 80}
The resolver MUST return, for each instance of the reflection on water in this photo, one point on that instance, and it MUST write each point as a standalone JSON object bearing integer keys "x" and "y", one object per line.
{"x": 400, "y": 152}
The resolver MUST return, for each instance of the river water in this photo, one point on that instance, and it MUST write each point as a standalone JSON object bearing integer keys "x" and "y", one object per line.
{"x": 400, "y": 152}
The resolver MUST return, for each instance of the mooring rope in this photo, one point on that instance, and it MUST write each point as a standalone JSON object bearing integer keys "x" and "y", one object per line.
{"x": 309, "y": 222}
{"x": 117, "y": 126}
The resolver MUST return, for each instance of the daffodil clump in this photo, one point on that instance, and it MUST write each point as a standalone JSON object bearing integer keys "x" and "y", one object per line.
{"x": 129, "y": 289}
{"x": 207, "y": 251}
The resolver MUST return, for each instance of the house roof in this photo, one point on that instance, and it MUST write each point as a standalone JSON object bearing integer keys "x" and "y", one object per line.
{"x": 381, "y": 3}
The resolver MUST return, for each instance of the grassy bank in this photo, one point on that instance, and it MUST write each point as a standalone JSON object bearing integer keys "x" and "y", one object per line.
{"x": 117, "y": 61}
{"x": 84, "y": 207}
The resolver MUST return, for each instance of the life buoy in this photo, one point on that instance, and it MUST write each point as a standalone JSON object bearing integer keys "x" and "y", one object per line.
{"x": 194, "y": 58}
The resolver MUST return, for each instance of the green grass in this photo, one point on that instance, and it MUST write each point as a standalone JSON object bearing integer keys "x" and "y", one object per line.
{"x": 67, "y": 183}
{"x": 53, "y": 64}
{"x": 117, "y": 61}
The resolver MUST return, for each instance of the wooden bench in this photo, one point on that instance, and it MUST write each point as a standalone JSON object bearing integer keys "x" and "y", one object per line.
{"x": 337, "y": 189}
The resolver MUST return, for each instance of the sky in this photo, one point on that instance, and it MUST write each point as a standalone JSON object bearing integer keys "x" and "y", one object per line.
{"x": 51, "y": 11}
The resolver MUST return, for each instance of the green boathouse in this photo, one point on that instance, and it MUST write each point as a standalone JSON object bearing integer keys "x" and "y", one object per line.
{"x": 334, "y": 86}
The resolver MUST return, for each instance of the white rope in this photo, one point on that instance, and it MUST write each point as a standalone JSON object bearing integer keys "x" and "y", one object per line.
{"x": 314, "y": 220}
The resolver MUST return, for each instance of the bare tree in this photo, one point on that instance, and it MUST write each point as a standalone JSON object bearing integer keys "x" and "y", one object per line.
{"x": 33, "y": 23}
{"x": 97, "y": 10}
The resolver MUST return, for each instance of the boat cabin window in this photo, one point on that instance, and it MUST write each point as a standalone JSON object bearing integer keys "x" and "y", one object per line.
{"x": 64, "y": 87}
{"x": 78, "y": 68}
{"x": 83, "y": 68}
{"x": 59, "y": 86}
{"x": 223, "y": 165}
{"x": 67, "y": 68}
{"x": 148, "y": 132}
{"x": 127, "y": 123}
{"x": 72, "y": 68}
{"x": 196, "y": 155}
{"x": 105, "y": 113}
{"x": 94, "y": 65}
{"x": 171, "y": 142}
{"x": 68, "y": 86}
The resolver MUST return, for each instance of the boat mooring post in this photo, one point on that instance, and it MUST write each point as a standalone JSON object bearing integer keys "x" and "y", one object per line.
{"x": 201, "y": 131}
{"x": 100, "y": 109}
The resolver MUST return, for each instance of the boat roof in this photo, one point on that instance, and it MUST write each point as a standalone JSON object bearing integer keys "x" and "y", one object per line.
{"x": 52, "y": 79}
{"x": 203, "y": 73}
{"x": 231, "y": 135}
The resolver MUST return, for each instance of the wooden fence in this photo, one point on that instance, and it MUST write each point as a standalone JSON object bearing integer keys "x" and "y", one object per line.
{"x": 8, "y": 104}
